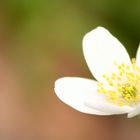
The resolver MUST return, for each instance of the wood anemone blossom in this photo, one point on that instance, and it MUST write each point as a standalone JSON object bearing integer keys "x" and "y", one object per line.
{"x": 117, "y": 86}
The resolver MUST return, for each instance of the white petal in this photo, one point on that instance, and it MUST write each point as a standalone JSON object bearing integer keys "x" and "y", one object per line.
{"x": 138, "y": 57}
{"x": 135, "y": 112}
{"x": 106, "y": 106}
{"x": 81, "y": 94}
{"x": 74, "y": 92}
{"x": 101, "y": 51}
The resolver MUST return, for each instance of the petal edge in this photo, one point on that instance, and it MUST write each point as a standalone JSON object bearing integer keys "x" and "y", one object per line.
{"x": 73, "y": 91}
{"x": 101, "y": 50}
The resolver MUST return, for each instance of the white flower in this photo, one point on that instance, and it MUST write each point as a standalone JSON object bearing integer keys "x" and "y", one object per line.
{"x": 118, "y": 88}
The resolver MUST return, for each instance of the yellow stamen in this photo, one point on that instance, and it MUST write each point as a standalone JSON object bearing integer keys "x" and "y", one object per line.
{"x": 123, "y": 88}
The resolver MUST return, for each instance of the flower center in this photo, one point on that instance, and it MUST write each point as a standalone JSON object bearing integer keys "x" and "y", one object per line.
{"x": 123, "y": 87}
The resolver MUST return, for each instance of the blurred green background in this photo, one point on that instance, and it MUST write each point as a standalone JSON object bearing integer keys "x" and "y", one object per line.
{"x": 44, "y": 41}
{"x": 43, "y": 34}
